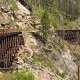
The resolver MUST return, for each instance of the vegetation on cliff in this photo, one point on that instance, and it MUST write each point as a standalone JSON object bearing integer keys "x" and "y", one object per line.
{"x": 63, "y": 13}
{"x": 14, "y": 5}
{"x": 22, "y": 75}
{"x": 45, "y": 29}
{"x": 56, "y": 59}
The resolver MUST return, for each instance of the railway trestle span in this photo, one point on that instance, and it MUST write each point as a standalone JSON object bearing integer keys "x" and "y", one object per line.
{"x": 9, "y": 44}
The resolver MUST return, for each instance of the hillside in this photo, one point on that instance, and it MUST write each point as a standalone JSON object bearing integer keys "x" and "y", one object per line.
{"x": 40, "y": 59}
{"x": 63, "y": 14}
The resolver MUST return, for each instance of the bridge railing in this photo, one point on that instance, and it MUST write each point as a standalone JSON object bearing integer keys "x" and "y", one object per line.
{"x": 4, "y": 31}
{"x": 72, "y": 36}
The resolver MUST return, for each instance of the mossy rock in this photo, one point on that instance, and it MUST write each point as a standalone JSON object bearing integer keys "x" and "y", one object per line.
{"x": 43, "y": 60}
{"x": 14, "y": 5}
{"x": 63, "y": 74}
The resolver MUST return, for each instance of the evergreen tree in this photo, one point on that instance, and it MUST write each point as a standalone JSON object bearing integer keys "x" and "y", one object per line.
{"x": 45, "y": 29}
{"x": 69, "y": 7}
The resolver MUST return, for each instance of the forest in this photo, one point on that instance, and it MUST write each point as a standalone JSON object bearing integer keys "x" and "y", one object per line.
{"x": 62, "y": 13}
{"x": 71, "y": 8}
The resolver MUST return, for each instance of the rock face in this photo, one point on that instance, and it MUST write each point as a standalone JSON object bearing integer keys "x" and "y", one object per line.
{"x": 57, "y": 60}
{"x": 57, "y": 52}
{"x": 14, "y": 15}
{"x": 22, "y": 9}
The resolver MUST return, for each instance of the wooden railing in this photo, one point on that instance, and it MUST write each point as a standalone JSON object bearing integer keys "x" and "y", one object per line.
{"x": 78, "y": 72}
{"x": 72, "y": 36}
{"x": 4, "y": 31}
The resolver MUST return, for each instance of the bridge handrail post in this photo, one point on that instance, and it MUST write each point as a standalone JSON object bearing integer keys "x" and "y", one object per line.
{"x": 77, "y": 37}
{"x": 79, "y": 72}
{"x": 63, "y": 34}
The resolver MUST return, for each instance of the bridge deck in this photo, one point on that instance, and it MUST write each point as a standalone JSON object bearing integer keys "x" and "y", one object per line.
{"x": 72, "y": 36}
{"x": 5, "y": 31}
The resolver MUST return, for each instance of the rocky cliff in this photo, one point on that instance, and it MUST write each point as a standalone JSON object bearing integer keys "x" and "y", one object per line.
{"x": 57, "y": 60}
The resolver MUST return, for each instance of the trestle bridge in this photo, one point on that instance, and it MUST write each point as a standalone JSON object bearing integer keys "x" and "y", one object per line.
{"x": 72, "y": 36}
{"x": 9, "y": 43}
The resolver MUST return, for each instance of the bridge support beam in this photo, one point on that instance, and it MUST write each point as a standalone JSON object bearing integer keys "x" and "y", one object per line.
{"x": 78, "y": 72}
{"x": 8, "y": 49}
{"x": 77, "y": 37}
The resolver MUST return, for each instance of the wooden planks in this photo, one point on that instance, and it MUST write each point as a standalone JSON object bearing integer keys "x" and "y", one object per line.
{"x": 8, "y": 47}
{"x": 78, "y": 72}
{"x": 5, "y": 31}
{"x": 72, "y": 36}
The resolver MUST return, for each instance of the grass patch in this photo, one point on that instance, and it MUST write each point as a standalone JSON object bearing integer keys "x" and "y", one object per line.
{"x": 55, "y": 18}
{"x": 22, "y": 75}
{"x": 63, "y": 74}
{"x": 62, "y": 46}
{"x": 42, "y": 59}
{"x": 52, "y": 17}
{"x": 14, "y": 5}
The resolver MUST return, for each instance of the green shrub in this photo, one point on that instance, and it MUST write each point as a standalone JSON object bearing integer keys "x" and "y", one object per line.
{"x": 23, "y": 75}
{"x": 45, "y": 29}
{"x": 63, "y": 74}
{"x": 62, "y": 46}
{"x": 14, "y": 5}
{"x": 42, "y": 59}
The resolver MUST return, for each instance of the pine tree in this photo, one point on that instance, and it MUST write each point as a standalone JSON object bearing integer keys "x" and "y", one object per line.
{"x": 45, "y": 25}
